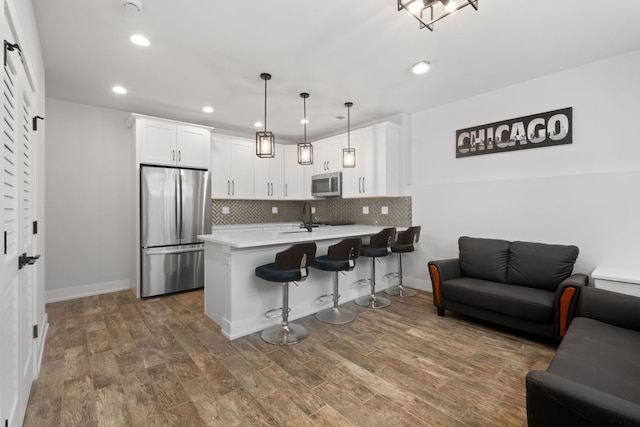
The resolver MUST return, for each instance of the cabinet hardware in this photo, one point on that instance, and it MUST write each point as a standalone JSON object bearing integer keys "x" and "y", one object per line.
{"x": 35, "y": 227}
{"x": 179, "y": 155}
{"x": 5, "y": 242}
{"x": 363, "y": 190}
{"x": 35, "y": 122}
{"x": 8, "y": 47}
{"x": 173, "y": 155}
{"x": 286, "y": 190}
{"x": 233, "y": 187}
{"x": 228, "y": 188}
{"x": 35, "y": 331}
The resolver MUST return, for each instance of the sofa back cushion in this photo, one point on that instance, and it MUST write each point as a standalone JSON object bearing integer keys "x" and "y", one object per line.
{"x": 539, "y": 265}
{"x": 485, "y": 259}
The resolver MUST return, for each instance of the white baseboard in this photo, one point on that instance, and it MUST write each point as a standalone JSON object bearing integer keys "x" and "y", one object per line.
{"x": 86, "y": 290}
{"x": 414, "y": 282}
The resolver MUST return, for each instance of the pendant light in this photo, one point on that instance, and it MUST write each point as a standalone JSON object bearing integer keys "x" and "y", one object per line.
{"x": 305, "y": 149}
{"x": 265, "y": 141}
{"x": 348, "y": 154}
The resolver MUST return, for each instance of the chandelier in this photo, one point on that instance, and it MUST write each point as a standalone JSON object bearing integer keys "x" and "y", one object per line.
{"x": 428, "y": 12}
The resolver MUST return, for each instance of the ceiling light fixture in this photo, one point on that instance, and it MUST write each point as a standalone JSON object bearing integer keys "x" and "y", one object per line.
{"x": 140, "y": 40}
{"x": 420, "y": 67}
{"x": 119, "y": 90}
{"x": 133, "y": 5}
{"x": 207, "y": 109}
{"x": 428, "y": 12}
{"x": 305, "y": 150}
{"x": 348, "y": 154}
{"x": 265, "y": 141}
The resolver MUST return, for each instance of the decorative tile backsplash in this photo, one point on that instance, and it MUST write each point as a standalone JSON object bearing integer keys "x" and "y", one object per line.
{"x": 334, "y": 209}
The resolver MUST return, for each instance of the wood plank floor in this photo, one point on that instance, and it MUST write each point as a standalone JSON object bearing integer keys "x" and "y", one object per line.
{"x": 114, "y": 360}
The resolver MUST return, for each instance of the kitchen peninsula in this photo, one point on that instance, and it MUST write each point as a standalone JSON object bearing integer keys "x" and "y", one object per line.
{"x": 237, "y": 300}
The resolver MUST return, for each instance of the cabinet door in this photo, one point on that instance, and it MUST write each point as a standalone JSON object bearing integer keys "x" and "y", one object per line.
{"x": 293, "y": 173}
{"x": 352, "y": 178}
{"x": 241, "y": 155}
{"x": 276, "y": 173}
{"x": 218, "y": 167}
{"x": 334, "y": 154}
{"x": 157, "y": 142}
{"x": 193, "y": 145}
{"x": 261, "y": 178}
{"x": 319, "y": 157}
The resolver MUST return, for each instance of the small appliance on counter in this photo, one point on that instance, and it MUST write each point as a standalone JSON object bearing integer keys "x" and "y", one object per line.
{"x": 175, "y": 207}
{"x": 327, "y": 185}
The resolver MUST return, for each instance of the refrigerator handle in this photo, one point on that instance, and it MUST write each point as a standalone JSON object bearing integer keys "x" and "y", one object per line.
{"x": 181, "y": 201}
{"x": 176, "y": 208}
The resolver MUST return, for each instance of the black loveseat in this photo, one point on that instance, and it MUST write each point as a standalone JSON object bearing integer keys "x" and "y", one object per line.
{"x": 522, "y": 285}
{"x": 594, "y": 377}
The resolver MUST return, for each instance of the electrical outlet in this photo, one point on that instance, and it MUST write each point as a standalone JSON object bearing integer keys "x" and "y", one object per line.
{"x": 313, "y": 209}
{"x": 225, "y": 210}
{"x": 384, "y": 210}
{"x": 365, "y": 210}
{"x": 274, "y": 209}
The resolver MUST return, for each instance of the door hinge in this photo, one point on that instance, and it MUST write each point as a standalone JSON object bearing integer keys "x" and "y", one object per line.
{"x": 35, "y": 331}
{"x": 35, "y": 227}
{"x": 9, "y": 47}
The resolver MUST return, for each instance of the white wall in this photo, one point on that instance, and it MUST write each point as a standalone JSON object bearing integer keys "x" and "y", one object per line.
{"x": 89, "y": 183}
{"x": 584, "y": 193}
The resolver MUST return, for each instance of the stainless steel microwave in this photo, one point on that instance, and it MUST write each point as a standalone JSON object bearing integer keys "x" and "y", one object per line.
{"x": 327, "y": 185}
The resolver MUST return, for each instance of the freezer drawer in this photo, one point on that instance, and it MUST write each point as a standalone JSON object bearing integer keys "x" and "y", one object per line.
{"x": 171, "y": 269}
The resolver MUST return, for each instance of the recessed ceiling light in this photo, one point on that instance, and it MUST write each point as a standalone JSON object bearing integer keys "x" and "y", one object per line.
{"x": 304, "y": 121}
{"x": 119, "y": 89}
{"x": 207, "y": 109}
{"x": 420, "y": 67}
{"x": 258, "y": 124}
{"x": 140, "y": 40}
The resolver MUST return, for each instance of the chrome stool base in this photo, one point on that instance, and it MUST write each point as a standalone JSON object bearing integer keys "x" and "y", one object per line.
{"x": 336, "y": 316}
{"x": 372, "y": 301}
{"x": 285, "y": 335}
{"x": 401, "y": 291}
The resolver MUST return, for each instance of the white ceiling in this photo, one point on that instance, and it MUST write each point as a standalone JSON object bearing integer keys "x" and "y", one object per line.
{"x": 211, "y": 52}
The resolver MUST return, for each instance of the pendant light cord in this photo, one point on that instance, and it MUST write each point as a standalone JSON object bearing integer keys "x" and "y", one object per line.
{"x": 265, "y": 105}
{"x": 305, "y": 120}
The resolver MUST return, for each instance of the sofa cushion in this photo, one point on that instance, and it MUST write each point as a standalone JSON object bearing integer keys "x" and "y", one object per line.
{"x": 538, "y": 265}
{"x": 485, "y": 259}
{"x": 601, "y": 356}
{"x": 517, "y": 301}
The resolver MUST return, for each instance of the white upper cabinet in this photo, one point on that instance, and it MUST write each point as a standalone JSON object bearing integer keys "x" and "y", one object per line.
{"x": 269, "y": 175}
{"x": 231, "y": 167}
{"x": 377, "y": 170}
{"x": 327, "y": 155}
{"x": 169, "y": 143}
{"x": 294, "y": 174}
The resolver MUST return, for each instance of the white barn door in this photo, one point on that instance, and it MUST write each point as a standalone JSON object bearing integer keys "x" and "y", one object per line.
{"x": 18, "y": 364}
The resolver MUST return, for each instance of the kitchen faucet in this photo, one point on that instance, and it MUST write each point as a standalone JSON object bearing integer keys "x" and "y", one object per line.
{"x": 309, "y": 225}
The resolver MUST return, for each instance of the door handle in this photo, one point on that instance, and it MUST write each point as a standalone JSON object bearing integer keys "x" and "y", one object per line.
{"x": 363, "y": 190}
{"x": 173, "y": 155}
{"x": 286, "y": 190}
{"x": 176, "y": 208}
{"x": 228, "y": 188}
{"x": 233, "y": 187}
{"x": 181, "y": 202}
{"x": 272, "y": 189}
{"x": 359, "y": 184}
{"x": 179, "y": 155}
{"x": 26, "y": 260}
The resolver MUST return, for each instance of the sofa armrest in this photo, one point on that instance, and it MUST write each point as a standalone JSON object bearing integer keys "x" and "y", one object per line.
{"x": 565, "y": 301}
{"x": 610, "y": 307}
{"x": 553, "y": 400}
{"x": 441, "y": 271}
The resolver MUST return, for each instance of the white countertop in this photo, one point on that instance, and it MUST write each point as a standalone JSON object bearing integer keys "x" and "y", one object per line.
{"x": 614, "y": 274}
{"x": 269, "y": 238}
{"x": 215, "y": 228}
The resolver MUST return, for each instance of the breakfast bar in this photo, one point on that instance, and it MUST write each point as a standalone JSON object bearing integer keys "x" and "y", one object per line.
{"x": 237, "y": 300}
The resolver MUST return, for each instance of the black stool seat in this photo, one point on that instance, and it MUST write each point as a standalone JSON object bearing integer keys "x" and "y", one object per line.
{"x": 379, "y": 246}
{"x": 404, "y": 243}
{"x": 324, "y": 263}
{"x": 272, "y": 274}
{"x": 340, "y": 257}
{"x": 291, "y": 265}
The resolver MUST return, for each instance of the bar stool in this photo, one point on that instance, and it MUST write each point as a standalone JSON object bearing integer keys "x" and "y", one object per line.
{"x": 291, "y": 265}
{"x": 340, "y": 257}
{"x": 405, "y": 242}
{"x": 379, "y": 246}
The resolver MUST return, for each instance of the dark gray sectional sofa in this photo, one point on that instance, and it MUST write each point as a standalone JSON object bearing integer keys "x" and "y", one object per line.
{"x": 594, "y": 377}
{"x": 522, "y": 285}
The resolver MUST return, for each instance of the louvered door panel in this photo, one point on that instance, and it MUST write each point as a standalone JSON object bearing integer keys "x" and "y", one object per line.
{"x": 9, "y": 164}
{"x": 26, "y": 169}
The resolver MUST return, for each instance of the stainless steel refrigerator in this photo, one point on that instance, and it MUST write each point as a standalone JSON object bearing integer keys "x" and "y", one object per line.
{"x": 175, "y": 207}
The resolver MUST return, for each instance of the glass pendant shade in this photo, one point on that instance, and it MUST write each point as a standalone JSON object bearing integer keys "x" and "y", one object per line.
{"x": 348, "y": 154}
{"x": 265, "y": 144}
{"x": 305, "y": 149}
{"x": 305, "y": 154}
{"x": 348, "y": 157}
{"x": 265, "y": 141}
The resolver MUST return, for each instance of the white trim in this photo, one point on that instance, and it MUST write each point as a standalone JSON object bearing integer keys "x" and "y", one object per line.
{"x": 86, "y": 290}
{"x": 41, "y": 340}
{"x": 422, "y": 284}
